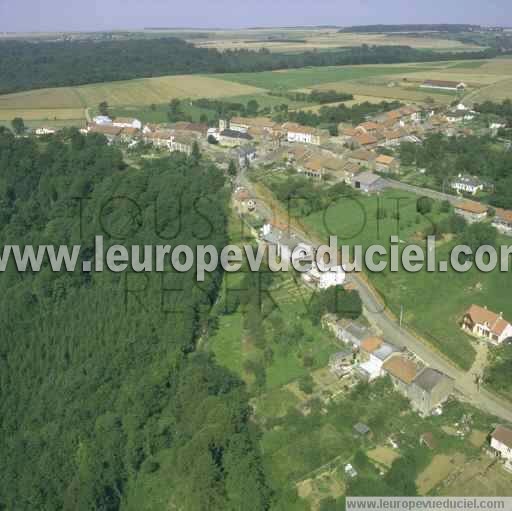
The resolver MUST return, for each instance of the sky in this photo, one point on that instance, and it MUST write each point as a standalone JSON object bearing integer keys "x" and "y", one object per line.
{"x": 89, "y": 15}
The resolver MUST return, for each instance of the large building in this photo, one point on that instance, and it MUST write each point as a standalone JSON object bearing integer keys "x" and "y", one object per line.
{"x": 127, "y": 122}
{"x": 303, "y": 134}
{"x": 444, "y": 85}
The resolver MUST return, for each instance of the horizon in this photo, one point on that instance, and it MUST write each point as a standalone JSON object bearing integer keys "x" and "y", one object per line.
{"x": 28, "y": 16}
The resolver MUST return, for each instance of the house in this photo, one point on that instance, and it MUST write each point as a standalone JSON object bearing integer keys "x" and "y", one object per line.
{"x": 191, "y": 128}
{"x": 363, "y": 158}
{"x": 102, "y": 120}
{"x": 259, "y": 124}
{"x": 503, "y": 221}
{"x": 386, "y": 164}
{"x": 160, "y": 138}
{"x": 467, "y": 184}
{"x": 444, "y": 85}
{"x": 127, "y": 122}
{"x": 482, "y": 322}
{"x": 304, "y": 134}
{"x": 368, "y": 182}
{"x": 364, "y": 140}
{"x": 324, "y": 277}
{"x": 128, "y": 134}
{"x": 182, "y": 144}
{"x": 402, "y": 372}
{"x": 233, "y": 138}
{"x": 393, "y": 138}
{"x": 428, "y": 390}
{"x": 501, "y": 444}
{"x": 277, "y": 236}
{"x": 348, "y": 332}
{"x": 110, "y": 132}
{"x": 245, "y": 155}
{"x": 313, "y": 167}
{"x": 341, "y": 363}
{"x": 459, "y": 116}
{"x": 471, "y": 211}
{"x": 371, "y": 366}
{"x": 368, "y": 127}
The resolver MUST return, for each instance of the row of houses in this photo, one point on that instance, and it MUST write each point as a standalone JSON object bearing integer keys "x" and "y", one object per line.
{"x": 474, "y": 212}
{"x": 371, "y": 357}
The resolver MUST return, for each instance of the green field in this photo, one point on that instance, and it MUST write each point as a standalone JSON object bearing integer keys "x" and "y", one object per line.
{"x": 310, "y": 77}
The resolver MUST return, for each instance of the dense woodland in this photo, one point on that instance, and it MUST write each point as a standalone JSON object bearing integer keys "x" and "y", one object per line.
{"x": 99, "y": 387}
{"x": 28, "y": 65}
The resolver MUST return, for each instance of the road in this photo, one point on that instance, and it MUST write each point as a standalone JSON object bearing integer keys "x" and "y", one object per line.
{"x": 384, "y": 321}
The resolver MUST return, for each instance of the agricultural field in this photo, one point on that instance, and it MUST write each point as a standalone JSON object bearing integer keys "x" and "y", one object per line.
{"x": 62, "y": 106}
{"x": 299, "y": 40}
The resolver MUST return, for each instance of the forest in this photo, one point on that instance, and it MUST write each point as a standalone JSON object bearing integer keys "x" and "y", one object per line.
{"x": 101, "y": 383}
{"x": 28, "y": 65}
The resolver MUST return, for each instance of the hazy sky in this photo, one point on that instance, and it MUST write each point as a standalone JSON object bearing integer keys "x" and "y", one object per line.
{"x": 58, "y": 15}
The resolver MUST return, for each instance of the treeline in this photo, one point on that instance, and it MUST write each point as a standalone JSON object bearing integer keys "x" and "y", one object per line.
{"x": 315, "y": 96}
{"x": 444, "y": 158}
{"x": 444, "y": 27}
{"x": 329, "y": 117}
{"x": 105, "y": 402}
{"x": 503, "y": 109}
{"x": 27, "y": 65}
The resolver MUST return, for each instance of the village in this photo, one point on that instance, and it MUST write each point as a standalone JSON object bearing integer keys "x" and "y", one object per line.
{"x": 365, "y": 157}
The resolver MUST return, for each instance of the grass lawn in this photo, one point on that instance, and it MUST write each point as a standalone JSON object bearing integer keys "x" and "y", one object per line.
{"x": 433, "y": 302}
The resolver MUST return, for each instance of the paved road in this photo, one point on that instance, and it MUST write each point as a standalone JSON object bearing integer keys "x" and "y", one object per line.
{"x": 390, "y": 328}
{"x": 424, "y": 192}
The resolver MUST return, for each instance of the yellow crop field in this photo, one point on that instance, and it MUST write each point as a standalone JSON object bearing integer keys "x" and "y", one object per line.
{"x": 161, "y": 90}
{"x": 61, "y": 97}
{"x": 42, "y": 114}
{"x": 321, "y": 39}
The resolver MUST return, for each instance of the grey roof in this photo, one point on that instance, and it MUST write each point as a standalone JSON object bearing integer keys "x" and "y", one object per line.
{"x": 385, "y": 351}
{"x": 235, "y": 134}
{"x": 341, "y": 354}
{"x": 246, "y": 151}
{"x": 361, "y": 428}
{"x": 367, "y": 178}
{"x": 357, "y": 332}
{"x": 276, "y": 237}
{"x": 429, "y": 378}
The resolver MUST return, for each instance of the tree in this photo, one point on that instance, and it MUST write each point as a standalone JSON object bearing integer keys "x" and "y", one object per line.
{"x": 306, "y": 384}
{"x": 196, "y": 153}
{"x": 252, "y": 108}
{"x": 103, "y": 108}
{"x": 477, "y": 235}
{"x": 232, "y": 170}
{"x": 424, "y": 205}
{"x": 18, "y": 125}
{"x": 212, "y": 140}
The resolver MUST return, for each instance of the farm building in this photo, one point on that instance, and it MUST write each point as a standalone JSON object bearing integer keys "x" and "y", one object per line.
{"x": 368, "y": 182}
{"x": 467, "y": 184}
{"x": 501, "y": 444}
{"x": 471, "y": 211}
{"x": 444, "y": 85}
{"x": 482, "y": 322}
{"x": 428, "y": 390}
